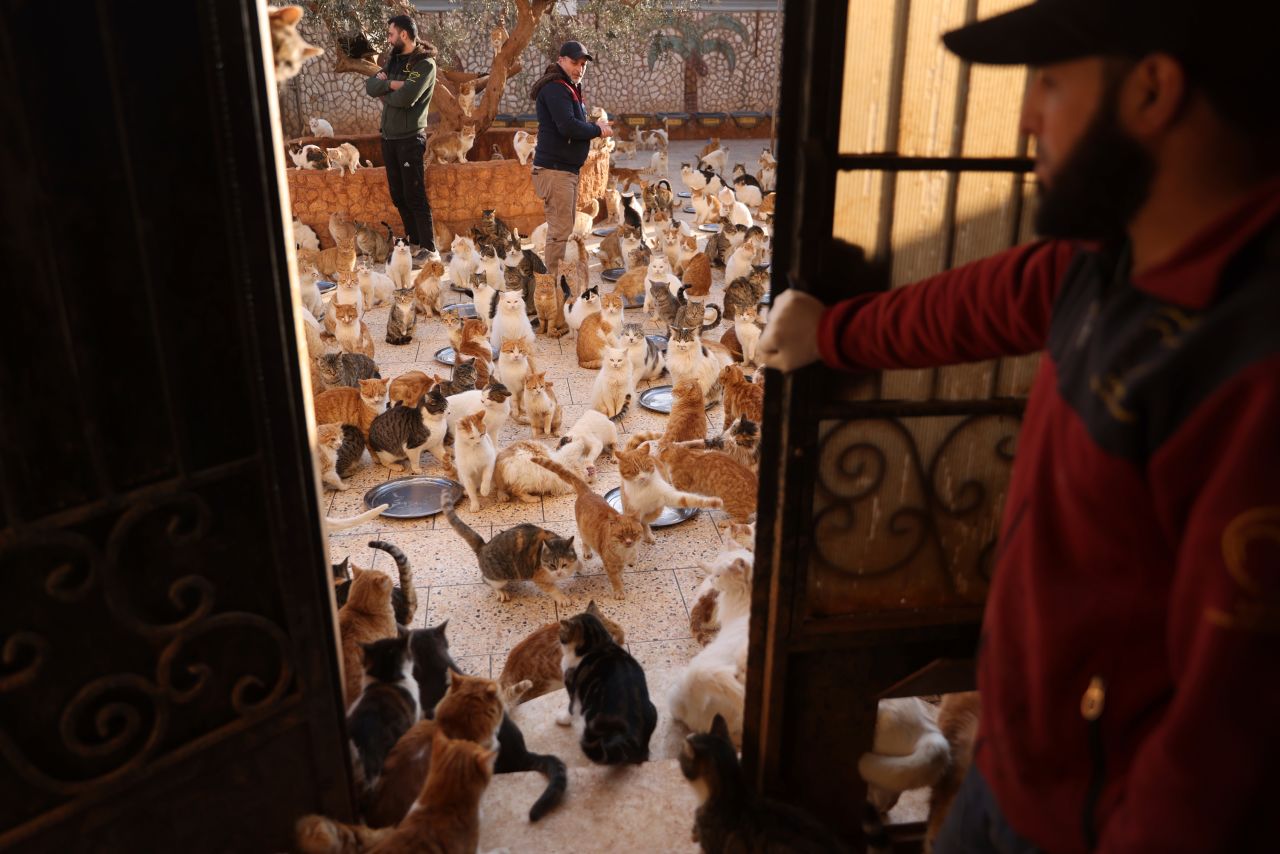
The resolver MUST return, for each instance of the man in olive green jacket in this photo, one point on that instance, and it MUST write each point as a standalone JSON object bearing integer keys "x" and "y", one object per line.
{"x": 406, "y": 87}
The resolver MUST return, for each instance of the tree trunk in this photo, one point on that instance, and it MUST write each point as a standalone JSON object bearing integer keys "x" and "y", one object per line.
{"x": 690, "y": 85}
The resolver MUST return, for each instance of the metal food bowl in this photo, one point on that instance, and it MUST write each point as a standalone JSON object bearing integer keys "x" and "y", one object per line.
{"x": 668, "y": 516}
{"x": 604, "y": 232}
{"x": 613, "y": 274}
{"x": 447, "y": 356}
{"x": 709, "y": 226}
{"x": 463, "y": 309}
{"x": 689, "y": 209}
{"x": 324, "y": 286}
{"x": 413, "y": 497}
{"x": 685, "y": 194}
{"x": 659, "y": 399}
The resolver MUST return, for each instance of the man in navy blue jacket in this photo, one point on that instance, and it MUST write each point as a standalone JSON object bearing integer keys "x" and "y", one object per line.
{"x": 564, "y": 138}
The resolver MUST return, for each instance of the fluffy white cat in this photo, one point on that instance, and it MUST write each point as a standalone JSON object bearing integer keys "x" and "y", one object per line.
{"x": 474, "y": 456}
{"x": 909, "y": 751}
{"x": 614, "y": 387}
{"x": 597, "y": 432}
{"x": 510, "y": 322}
{"x": 464, "y": 261}
{"x": 304, "y": 236}
{"x": 375, "y": 287}
{"x": 320, "y": 127}
{"x": 740, "y": 261}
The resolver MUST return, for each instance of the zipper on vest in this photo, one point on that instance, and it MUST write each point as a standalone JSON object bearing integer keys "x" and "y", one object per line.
{"x": 1091, "y": 705}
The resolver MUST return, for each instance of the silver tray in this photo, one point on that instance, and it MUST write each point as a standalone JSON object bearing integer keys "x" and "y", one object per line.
{"x": 660, "y": 340}
{"x": 414, "y": 496}
{"x": 689, "y": 209}
{"x": 604, "y": 232}
{"x": 638, "y": 302}
{"x": 464, "y": 309}
{"x": 658, "y": 399}
{"x": 613, "y": 274}
{"x": 324, "y": 286}
{"x": 446, "y": 355}
{"x": 685, "y": 194}
{"x": 709, "y": 226}
{"x": 668, "y": 516}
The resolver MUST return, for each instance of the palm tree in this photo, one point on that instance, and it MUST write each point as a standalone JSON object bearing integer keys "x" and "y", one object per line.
{"x": 692, "y": 39}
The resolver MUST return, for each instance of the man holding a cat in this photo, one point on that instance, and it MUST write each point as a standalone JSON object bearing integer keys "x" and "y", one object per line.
{"x": 564, "y": 139}
{"x": 1127, "y": 667}
{"x": 405, "y": 87}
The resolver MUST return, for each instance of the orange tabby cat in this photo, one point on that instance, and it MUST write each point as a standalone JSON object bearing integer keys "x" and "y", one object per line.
{"x": 475, "y": 342}
{"x": 688, "y": 418}
{"x": 351, "y": 406}
{"x": 712, "y": 473}
{"x": 351, "y": 332}
{"x": 549, "y": 302}
{"x": 697, "y": 273}
{"x": 471, "y": 709}
{"x": 368, "y": 616}
{"x": 445, "y": 818}
{"x": 741, "y": 396}
{"x": 540, "y": 405}
{"x": 408, "y": 388}
{"x": 603, "y": 529}
{"x": 646, "y": 493}
{"x": 427, "y": 287}
{"x": 631, "y": 286}
{"x": 537, "y": 660}
{"x": 335, "y": 259}
{"x": 598, "y": 331}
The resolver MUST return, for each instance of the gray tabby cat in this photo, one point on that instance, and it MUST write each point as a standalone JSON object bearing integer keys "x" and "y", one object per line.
{"x": 350, "y": 452}
{"x": 372, "y": 242}
{"x": 664, "y": 303}
{"x": 462, "y": 379}
{"x": 401, "y": 432}
{"x": 744, "y": 293}
{"x": 345, "y": 369}
{"x": 522, "y": 553}
{"x": 655, "y": 358}
{"x": 720, "y": 244}
{"x": 692, "y": 313}
{"x": 404, "y": 316}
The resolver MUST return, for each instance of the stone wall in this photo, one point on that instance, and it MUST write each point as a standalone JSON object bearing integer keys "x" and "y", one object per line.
{"x": 619, "y": 83}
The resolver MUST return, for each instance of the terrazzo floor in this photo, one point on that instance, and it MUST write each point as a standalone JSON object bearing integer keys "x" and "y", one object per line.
{"x": 655, "y": 612}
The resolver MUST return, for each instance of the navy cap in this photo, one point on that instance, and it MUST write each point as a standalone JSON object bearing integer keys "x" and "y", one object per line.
{"x": 575, "y": 51}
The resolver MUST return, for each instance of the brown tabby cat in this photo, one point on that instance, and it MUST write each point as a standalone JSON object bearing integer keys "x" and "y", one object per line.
{"x": 445, "y": 818}
{"x": 598, "y": 331}
{"x": 368, "y": 616}
{"x": 287, "y": 47}
{"x": 958, "y": 721}
{"x": 549, "y": 303}
{"x": 712, "y": 473}
{"x": 603, "y": 529}
{"x": 742, "y": 398}
{"x": 331, "y": 261}
{"x": 696, "y": 276}
{"x": 408, "y": 388}
{"x": 540, "y": 405}
{"x": 351, "y": 406}
{"x": 351, "y": 332}
{"x": 427, "y": 286}
{"x": 475, "y": 343}
{"x": 471, "y": 709}
{"x": 688, "y": 418}
{"x": 536, "y": 659}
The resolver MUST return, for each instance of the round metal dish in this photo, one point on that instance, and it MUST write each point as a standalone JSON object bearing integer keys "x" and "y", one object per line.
{"x": 604, "y": 232}
{"x": 446, "y": 355}
{"x": 668, "y": 516}
{"x": 689, "y": 209}
{"x": 685, "y": 194}
{"x": 414, "y": 496}
{"x": 613, "y": 274}
{"x": 709, "y": 226}
{"x": 660, "y": 340}
{"x": 658, "y": 399}
{"x": 324, "y": 286}
{"x": 638, "y": 302}
{"x": 464, "y": 309}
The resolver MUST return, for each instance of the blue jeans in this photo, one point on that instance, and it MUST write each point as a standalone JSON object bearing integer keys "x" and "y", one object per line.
{"x": 975, "y": 824}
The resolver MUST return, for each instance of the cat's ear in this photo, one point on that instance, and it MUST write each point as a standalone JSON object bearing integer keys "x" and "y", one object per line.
{"x": 593, "y": 609}
{"x": 719, "y": 728}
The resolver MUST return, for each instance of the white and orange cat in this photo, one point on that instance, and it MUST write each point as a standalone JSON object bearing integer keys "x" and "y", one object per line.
{"x": 646, "y": 493}
{"x": 351, "y": 332}
{"x": 474, "y": 456}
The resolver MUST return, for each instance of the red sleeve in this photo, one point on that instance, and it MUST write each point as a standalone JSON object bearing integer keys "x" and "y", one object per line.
{"x": 999, "y": 306}
{"x": 1198, "y": 781}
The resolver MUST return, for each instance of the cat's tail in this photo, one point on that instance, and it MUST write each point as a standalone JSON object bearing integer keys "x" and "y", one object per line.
{"x": 563, "y": 473}
{"x": 616, "y": 418}
{"x": 919, "y": 768}
{"x": 557, "y": 781}
{"x": 341, "y": 523}
{"x": 713, "y": 324}
{"x": 316, "y": 834}
{"x": 638, "y": 439}
{"x": 473, "y": 539}
{"x": 407, "y": 606}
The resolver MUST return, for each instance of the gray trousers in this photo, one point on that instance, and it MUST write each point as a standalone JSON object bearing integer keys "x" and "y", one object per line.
{"x": 559, "y": 193}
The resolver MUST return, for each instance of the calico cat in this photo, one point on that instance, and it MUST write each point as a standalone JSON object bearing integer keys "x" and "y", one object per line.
{"x": 744, "y": 292}
{"x": 533, "y": 665}
{"x": 462, "y": 378}
{"x": 516, "y": 477}
{"x": 599, "y": 331}
{"x": 614, "y": 386}
{"x": 366, "y": 617}
{"x": 609, "y": 690}
{"x": 712, "y": 473}
{"x": 351, "y": 332}
{"x": 648, "y": 360}
{"x": 549, "y": 303}
{"x": 351, "y": 406}
{"x": 404, "y": 432}
{"x": 475, "y": 345}
{"x": 431, "y": 661}
{"x": 387, "y": 705}
{"x": 603, "y": 529}
{"x": 585, "y": 305}
{"x": 408, "y": 388}
{"x": 688, "y": 418}
{"x": 741, "y": 441}
{"x": 444, "y": 818}
{"x": 538, "y": 400}
{"x": 645, "y": 492}
{"x": 426, "y": 287}
{"x": 521, "y": 553}
{"x": 731, "y": 816}
{"x": 451, "y": 146}
{"x": 288, "y": 48}
{"x": 471, "y": 709}
{"x": 742, "y": 398}
{"x": 958, "y": 722}
{"x": 404, "y": 316}
{"x": 339, "y": 448}
{"x": 908, "y": 752}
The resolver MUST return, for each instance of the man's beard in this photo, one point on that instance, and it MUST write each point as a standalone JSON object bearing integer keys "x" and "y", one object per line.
{"x": 1102, "y": 183}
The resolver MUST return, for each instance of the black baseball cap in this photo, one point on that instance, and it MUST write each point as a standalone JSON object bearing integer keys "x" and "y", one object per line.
{"x": 575, "y": 51}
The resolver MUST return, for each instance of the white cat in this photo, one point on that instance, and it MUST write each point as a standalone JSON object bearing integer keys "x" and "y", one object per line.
{"x": 524, "y": 143}
{"x": 375, "y": 287}
{"x": 309, "y": 292}
{"x": 748, "y": 333}
{"x": 474, "y": 455}
{"x": 522, "y": 477}
{"x": 538, "y": 239}
{"x": 734, "y": 209}
{"x": 688, "y": 359}
{"x": 497, "y": 408}
{"x": 714, "y": 683}
{"x": 510, "y": 321}
{"x": 644, "y": 366}
{"x": 587, "y": 304}
{"x": 658, "y": 164}
{"x": 909, "y": 752}
{"x": 464, "y": 261}
{"x": 644, "y": 496}
{"x": 613, "y": 389}
{"x": 749, "y": 194}
{"x": 320, "y": 127}
{"x": 400, "y": 267}
{"x": 513, "y": 368}
{"x": 739, "y": 264}
{"x": 304, "y": 237}
{"x": 715, "y": 160}
{"x": 692, "y": 178}
{"x": 596, "y": 431}
{"x": 308, "y": 157}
